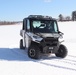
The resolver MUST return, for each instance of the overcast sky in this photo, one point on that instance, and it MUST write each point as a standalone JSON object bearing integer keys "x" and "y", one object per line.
{"x": 16, "y": 10}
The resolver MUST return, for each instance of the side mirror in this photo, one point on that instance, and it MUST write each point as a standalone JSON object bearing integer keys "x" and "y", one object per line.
{"x": 61, "y": 34}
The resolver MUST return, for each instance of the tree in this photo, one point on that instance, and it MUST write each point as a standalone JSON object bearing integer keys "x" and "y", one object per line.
{"x": 74, "y": 15}
{"x": 68, "y": 18}
{"x": 60, "y": 17}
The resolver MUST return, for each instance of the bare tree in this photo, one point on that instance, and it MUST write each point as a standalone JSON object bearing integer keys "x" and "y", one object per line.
{"x": 74, "y": 15}
{"x": 60, "y": 17}
{"x": 67, "y": 18}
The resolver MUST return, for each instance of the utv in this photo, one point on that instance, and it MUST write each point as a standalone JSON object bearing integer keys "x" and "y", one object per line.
{"x": 40, "y": 35}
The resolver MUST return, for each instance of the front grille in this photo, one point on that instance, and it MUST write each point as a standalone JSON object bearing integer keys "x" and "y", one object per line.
{"x": 51, "y": 41}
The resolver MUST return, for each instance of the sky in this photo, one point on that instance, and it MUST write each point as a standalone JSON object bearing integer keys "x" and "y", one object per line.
{"x": 16, "y": 10}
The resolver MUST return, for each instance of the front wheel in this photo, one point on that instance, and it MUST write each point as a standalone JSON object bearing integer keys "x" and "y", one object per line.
{"x": 34, "y": 52}
{"x": 62, "y": 52}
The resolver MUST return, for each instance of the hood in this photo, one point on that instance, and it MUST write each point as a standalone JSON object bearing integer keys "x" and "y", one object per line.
{"x": 44, "y": 35}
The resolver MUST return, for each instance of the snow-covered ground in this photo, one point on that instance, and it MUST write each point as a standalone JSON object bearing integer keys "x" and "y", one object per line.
{"x": 14, "y": 61}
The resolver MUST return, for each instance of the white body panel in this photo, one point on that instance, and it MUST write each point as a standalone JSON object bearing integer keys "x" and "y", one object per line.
{"x": 28, "y": 37}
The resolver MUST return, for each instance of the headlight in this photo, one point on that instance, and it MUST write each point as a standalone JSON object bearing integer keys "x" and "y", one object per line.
{"x": 36, "y": 38}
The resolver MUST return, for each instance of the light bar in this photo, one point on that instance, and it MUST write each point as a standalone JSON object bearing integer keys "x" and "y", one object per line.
{"x": 39, "y": 16}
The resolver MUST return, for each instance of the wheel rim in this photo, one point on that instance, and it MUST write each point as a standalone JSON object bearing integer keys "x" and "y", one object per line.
{"x": 60, "y": 52}
{"x": 32, "y": 52}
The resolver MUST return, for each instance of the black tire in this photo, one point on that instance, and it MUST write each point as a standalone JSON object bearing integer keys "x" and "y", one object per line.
{"x": 34, "y": 52}
{"x": 62, "y": 52}
{"x": 21, "y": 44}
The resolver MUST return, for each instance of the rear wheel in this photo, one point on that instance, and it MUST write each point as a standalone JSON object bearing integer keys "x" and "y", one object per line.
{"x": 21, "y": 44}
{"x": 62, "y": 52}
{"x": 34, "y": 52}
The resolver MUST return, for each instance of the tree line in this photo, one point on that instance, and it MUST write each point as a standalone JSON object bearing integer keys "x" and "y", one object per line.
{"x": 8, "y": 22}
{"x": 67, "y": 18}
{"x": 61, "y": 18}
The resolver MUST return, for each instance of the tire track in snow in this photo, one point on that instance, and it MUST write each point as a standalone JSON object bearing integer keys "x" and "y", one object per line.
{"x": 72, "y": 56}
{"x": 69, "y": 60}
{"x": 57, "y": 66}
{"x": 71, "y": 64}
{"x": 66, "y": 61}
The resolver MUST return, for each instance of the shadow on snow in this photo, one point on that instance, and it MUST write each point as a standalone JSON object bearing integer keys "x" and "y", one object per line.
{"x": 16, "y": 54}
{"x": 13, "y": 54}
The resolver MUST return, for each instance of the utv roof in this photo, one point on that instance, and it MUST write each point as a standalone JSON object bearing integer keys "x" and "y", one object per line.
{"x": 40, "y": 17}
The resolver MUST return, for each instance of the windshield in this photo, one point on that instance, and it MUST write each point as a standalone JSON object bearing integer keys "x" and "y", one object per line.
{"x": 44, "y": 26}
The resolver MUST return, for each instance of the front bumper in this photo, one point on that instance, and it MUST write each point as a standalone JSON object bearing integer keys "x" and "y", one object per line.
{"x": 50, "y": 49}
{"x": 50, "y": 45}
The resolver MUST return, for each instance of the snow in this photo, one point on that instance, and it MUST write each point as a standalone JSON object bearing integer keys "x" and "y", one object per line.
{"x": 14, "y": 61}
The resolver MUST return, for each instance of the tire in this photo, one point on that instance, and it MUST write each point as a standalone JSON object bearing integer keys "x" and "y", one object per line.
{"x": 62, "y": 52}
{"x": 21, "y": 44}
{"x": 34, "y": 52}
